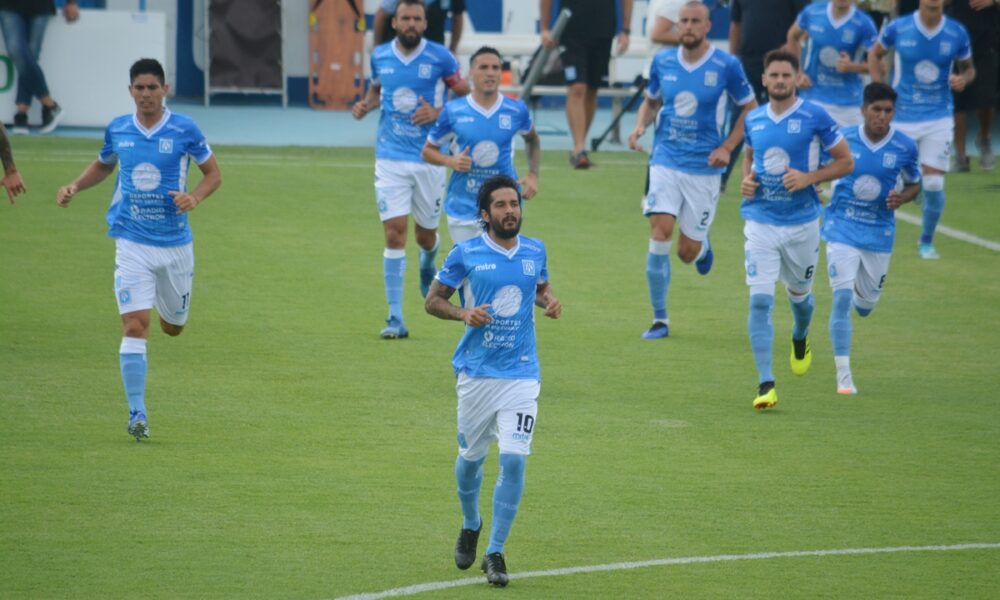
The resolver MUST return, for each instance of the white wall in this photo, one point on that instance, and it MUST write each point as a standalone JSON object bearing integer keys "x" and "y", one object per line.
{"x": 86, "y": 64}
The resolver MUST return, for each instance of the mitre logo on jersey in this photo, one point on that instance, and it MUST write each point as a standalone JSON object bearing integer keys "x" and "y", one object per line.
{"x": 166, "y": 146}
{"x": 505, "y": 122}
{"x": 888, "y": 160}
{"x": 528, "y": 266}
{"x": 794, "y": 125}
{"x": 711, "y": 78}
{"x": 424, "y": 72}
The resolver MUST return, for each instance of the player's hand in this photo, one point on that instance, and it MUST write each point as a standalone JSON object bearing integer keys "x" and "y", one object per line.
{"x": 749, "y": 185}
{"x": 843, "y": 63}
{"x": 529, "y": 186}
{"x": 553, "y": 308}
{"x": 719, "y": 157}
{"x": 359, "y": 109}
{"x": 894, "y": 200}
{"x": 622, "y": 46}
{"x": 184, "y": 201}
{"x": 461, "y": 162}
{"x": 14, "y": 185}
{"x": 957, "y": 82}
{"x": 65, "y": 194}
{"x": 71, "y": 12}
{"x": 980, "y": 4}
{"x": 547, "y": 40}
{"x": 633, "y": 138}
{"x": 424, "y": 114}
{"x": 477, "y": 317}
{"x": 795, "y": 180}
{"x": 803, "y": 82}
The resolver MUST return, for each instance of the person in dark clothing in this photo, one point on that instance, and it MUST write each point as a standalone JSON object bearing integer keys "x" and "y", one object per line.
{"x": 586, "y": 51}
{"x": 982, "y": 19}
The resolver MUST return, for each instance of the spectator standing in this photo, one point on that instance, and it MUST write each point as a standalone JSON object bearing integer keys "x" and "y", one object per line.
{"x": 982, "y": 20}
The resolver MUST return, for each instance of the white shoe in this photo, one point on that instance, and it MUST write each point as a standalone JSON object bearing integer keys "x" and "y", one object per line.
{"x": 845, "y": 384}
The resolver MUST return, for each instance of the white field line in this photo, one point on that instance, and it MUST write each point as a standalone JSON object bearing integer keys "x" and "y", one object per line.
{"x": 442, "y": 585}
{"x": 951, "y": 232}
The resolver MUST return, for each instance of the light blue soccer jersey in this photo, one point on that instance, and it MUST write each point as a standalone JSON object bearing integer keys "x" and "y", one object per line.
{"x": 923, "y": 62}
{"x": 853, "y": 34}
{"x": 489, "y": 136}
{"x": 791, "y": 140}
{"x": 507, "y": 280}
{"x": 151, "y": 163}
{"x": 425, "y": 73}
{"x": 691, "y": 119}
{"x": 857, "y": 214}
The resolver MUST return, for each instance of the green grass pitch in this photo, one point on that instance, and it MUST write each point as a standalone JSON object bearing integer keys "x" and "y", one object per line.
{"x": 296, "y": 455}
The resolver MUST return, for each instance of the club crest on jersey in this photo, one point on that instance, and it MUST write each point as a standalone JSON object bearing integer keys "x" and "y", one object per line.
{"x": 711, "y": 78}
{"x": 945, "y": 48}
{"x": 505, "y": 122}
{"x": 848, "y": 37}
{"x": 888, "y": 160}
{"x": 166, "y": 146}
{"x": 424, "y": 72}
{"x": 528, "y": 266}
{"x": 794, "y": 125}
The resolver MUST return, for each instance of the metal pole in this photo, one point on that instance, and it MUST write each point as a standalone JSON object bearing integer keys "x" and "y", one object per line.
{"x": 543, "y": 57}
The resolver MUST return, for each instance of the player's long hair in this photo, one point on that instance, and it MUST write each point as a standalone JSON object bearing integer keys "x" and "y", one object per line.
{"x": 497, "y": 182}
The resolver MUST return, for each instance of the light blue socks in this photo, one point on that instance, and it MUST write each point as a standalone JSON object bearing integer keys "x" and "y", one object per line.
{"x": 802, "y": 310}
{"x": 394, "y": 268}
{"x": 506, "y": 498}
{"x": 761, "y": 334}
{"x": 132, "y": 360}
{"x": 658, "y": 277}
{"x": 933, "y": 208}
{"x": 840, "y": 322}
{"x": 469, "y": 475}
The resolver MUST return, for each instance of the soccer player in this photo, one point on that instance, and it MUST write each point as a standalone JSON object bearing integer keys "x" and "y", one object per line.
{"x": 11, "y": 181}
{"x": 859, "y": 223}
{"x": 780, "y": 172}
{"x": 687, "y": 93}
{"x": 154, "y": 256}
{"x": 496, "y": 362}
{"x": 482, "y": 127}
{"x": 410, "y": 75}
{"x": 838, "y": 34}
{"x": 927, "y": 44}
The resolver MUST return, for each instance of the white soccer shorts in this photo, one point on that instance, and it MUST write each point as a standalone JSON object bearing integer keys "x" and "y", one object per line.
{"x": 843, "y": 116}
{"x": 934, "y": 140}
{"x": 403, "y": 187}
{"x": 501, "y": 410}
{"x": 148, "y": 276}
{"x": 785, "y": 252}
{"x": 463, "y": 229}
{"x": 692, "y": 199}
{"x": 863, "y": 271}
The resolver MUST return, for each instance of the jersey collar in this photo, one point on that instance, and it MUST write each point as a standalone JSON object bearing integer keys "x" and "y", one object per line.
{"x": 498, "y": 248}
{"x": 155, "y": 128}
{"x": 928, "y": 33}
{"x": 875, "y": 147}
{"x": 838, "y": 23}
{"x": 486, "y": 112}
{"x": 691, "y": 67}
{"x": 778, "y": 118}
{"x": 406, "y": 60}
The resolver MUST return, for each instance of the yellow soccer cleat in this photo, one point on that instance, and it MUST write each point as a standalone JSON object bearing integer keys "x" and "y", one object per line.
{"x": 801, "y": 356}
{"x": 767, "y": 396}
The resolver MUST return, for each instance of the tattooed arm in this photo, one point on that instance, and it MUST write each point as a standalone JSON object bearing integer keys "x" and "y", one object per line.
{"x": 11, "y": 181}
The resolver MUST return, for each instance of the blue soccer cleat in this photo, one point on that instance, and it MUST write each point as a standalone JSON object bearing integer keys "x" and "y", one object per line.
{"x": 394, "y": 329}
{"x": 928, "y": 252}
{"x": 138, "y": 426}
{"x": 704, "y": 264}
{"x": 657, "y": 331}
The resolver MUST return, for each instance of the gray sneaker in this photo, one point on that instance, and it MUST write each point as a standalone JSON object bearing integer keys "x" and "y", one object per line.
{"x": 986, "y": 159}
{"x": 962, "y": 165}
{"x": 50, "y": 118}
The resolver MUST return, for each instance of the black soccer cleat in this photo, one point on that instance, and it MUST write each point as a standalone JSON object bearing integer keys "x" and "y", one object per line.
{"x": 465, "y": 547}
{"x": 495, "y": 569}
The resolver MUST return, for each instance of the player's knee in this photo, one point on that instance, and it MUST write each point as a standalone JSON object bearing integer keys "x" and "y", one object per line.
{"x": 577, "y": 91}
{"x": 135, "y": 326}
{"x": 171, "y": 329}
{"x": 933, "y": 183}
{"x": 513, "y": 467}
{"x": 688, "y": 251}
{"x": 761, "y": 301}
